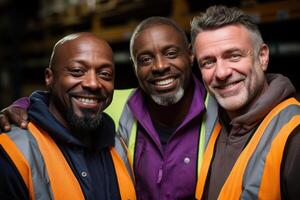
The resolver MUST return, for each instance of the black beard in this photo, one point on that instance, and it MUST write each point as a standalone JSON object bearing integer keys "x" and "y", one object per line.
{"x": 83, "y": 124}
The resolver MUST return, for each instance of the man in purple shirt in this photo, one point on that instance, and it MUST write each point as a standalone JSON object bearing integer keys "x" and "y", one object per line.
{"x": 166, "y": 111}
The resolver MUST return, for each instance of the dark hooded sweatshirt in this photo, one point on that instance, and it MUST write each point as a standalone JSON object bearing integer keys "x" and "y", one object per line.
{"x": 237, "y": 132}
{"x": 91, "y": 163}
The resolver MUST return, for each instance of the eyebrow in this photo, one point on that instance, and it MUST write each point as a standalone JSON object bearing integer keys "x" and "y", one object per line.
{"x": 229, "y": 51}
{"x": 171, "y": 46}
{"x": 245, "y": 52}
{"x": 204, "y": 58}
{"x": 232, "y": 50}
{"x": 104, "y": 64}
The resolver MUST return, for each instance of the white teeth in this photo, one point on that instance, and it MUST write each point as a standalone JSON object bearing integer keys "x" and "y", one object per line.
{"x": 87, "y": 100}
{"x": 229, "y": 85}
{"x": 165, "y": 82}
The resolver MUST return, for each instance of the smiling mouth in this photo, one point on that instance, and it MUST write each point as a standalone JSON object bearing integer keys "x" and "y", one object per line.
{"x": 229, "y": 89}
{"x": 85, "y": 100}
{"x": 228, "y": 85}
{"x": 164, "y": 85}
{"x": 164, "y": 82}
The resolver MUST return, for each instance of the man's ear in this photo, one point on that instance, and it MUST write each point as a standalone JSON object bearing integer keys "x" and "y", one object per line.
{"x": 264, "y": 56}
{"x": 48, "y": 77}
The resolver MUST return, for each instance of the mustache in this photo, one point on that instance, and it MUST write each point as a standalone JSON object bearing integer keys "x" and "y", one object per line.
{"x": 100, "y": 94}
{"x": 223, "y": 83}
{"x": 162, "y": 74}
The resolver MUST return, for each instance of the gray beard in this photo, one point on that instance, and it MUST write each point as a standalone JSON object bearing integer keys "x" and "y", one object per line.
{"x": 168, "y": 100}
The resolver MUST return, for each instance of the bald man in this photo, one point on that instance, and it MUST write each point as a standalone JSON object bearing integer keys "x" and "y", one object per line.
{"x": 70, "y": 150}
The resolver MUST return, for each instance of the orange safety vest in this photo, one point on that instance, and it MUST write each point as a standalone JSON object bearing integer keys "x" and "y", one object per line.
{"x": 256, "y": 173}
{"x": 45, "y": 171}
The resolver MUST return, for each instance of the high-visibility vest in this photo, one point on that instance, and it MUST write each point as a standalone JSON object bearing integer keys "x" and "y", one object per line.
{"x": 46, "y": 173}
{"x": 114, "y": 110}
{"x": 127, "y": 127}
{"x": 256, "y": 173}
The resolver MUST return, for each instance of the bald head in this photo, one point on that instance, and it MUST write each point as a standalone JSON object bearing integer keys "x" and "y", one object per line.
{"x": 80, "y": 79}
{"x": 64, "y": 45}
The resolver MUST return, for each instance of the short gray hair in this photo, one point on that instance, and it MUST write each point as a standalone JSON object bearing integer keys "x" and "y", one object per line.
{"x": 219, "y": 16}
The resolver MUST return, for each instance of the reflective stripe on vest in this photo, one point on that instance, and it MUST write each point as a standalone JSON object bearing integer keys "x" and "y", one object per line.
{"x": 209, "y": 118}
{"x": 44, "y": 169}
{"x": 41, "y": 164}
{"x": 121, "y": 149}
{"x": 128, "y": 129}
{"x": 259, "y": 163}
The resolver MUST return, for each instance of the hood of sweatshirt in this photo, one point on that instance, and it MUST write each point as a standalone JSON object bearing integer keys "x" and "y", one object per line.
{"x": 279, "y": 89}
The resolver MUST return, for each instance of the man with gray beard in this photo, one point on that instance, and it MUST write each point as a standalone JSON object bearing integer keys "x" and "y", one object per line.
{"x": 161, "y": 120}
{"x": 256, "y": 134}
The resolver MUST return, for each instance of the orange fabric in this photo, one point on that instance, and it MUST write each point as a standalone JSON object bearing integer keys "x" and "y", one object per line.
{"x": 233, "y": 186}
{"x": 235, "y": 177}
{"x": 126, "y": 186}
{"x": 273, "y": 162}
{"x": 206, "y": 161}
{"x": 20, "y": 162}
{"x": 63, "y": 182}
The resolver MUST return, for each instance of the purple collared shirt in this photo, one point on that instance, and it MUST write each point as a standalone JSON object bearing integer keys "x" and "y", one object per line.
{"x": 169, "y": 174}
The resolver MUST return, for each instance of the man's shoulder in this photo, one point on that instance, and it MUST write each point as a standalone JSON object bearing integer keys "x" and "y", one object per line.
{"x": 18, "y": 136}
{"x": 15, "y": 131}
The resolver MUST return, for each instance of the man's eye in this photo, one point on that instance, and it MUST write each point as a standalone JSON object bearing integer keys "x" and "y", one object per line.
{"x": 105, "y": 74}
{"x": 235, "y": 57}
{"x": 206, "y": 64}
{"x": 144, "y": 60}
{"x": 171, "y": 54}
{"x": 77, "y": 72}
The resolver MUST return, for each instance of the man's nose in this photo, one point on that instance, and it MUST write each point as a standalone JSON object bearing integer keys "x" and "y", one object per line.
{"x": 223, "y": 69}
{"x": 160, "y": 64}
{"x": 91, "y": 81}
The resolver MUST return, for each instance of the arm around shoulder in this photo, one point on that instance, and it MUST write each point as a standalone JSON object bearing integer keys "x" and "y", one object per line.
{"x": 16, "y": 114}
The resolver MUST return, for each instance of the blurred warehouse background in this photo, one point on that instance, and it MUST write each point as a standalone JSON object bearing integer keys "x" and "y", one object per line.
{"x": 29, "y": 29}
